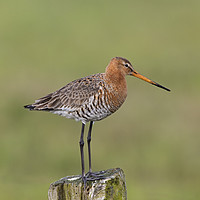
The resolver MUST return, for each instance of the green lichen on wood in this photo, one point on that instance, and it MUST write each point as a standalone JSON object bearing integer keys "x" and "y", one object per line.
{"x": 115, "y": 189}
{"x": 108, "y": 185}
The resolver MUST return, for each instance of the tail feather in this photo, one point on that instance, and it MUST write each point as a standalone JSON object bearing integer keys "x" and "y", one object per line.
{"x": 41, "y": 104}
{"x": 30, "y": 107}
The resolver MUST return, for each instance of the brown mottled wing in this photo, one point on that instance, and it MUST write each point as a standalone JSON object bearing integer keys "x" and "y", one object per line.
{"x": 73, "y": 95}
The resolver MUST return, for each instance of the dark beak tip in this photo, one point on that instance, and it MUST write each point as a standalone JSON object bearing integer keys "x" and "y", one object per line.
{"x": 165, "y": 88}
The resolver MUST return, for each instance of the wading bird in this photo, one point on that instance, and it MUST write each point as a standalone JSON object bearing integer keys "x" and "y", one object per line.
{"x": 91, "y": 98}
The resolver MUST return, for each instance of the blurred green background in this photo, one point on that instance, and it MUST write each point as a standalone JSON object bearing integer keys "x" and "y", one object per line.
{"x": 154, "y": 137}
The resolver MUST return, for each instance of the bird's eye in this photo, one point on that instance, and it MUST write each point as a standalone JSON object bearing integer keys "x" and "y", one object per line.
{"x": 126, "y": 65}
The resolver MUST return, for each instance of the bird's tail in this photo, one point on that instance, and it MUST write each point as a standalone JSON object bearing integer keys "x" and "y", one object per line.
{"x": 30, "y": 107}
{"x": 41, "y": 104}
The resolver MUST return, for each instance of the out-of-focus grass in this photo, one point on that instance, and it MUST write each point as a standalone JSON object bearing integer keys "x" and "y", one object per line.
{"x": 154, "y": 137}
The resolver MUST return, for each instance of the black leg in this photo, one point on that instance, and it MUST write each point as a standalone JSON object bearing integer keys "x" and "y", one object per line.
{"x": 81, "y": 142}
{"x": 90, "y": 175}
{"x": 89, "y": 149}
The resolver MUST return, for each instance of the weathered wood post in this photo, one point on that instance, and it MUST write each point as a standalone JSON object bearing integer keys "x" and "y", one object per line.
{"x": 107, "y": 185}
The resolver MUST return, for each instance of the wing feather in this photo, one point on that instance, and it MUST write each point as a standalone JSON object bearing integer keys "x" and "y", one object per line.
{"x": 73, "y": 95}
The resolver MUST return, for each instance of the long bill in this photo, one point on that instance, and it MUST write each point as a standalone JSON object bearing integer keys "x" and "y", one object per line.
{"x": 140, "y": 76}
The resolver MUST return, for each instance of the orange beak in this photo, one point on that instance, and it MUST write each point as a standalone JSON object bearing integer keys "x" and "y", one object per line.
{"x": 140, "y": 76}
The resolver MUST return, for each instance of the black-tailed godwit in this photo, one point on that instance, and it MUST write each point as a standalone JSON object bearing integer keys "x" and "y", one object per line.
{"x": 91, "y": 98}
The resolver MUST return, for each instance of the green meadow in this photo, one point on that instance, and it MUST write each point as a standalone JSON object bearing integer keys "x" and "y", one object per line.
{"x": 154, "y": 137}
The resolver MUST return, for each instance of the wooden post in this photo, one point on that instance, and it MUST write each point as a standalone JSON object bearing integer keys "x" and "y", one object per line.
{"x": 107, "y": 185}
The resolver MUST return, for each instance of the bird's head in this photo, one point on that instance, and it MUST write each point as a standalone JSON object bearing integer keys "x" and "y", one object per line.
{"x": 122, "y": 65}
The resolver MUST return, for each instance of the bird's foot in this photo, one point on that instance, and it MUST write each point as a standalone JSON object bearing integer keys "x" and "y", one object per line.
{"x": 84, "y": 178}
{"x": 91, "y": 176}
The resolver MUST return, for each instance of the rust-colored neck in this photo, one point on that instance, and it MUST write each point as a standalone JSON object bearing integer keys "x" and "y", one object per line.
{"x": 115, "y": 78}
